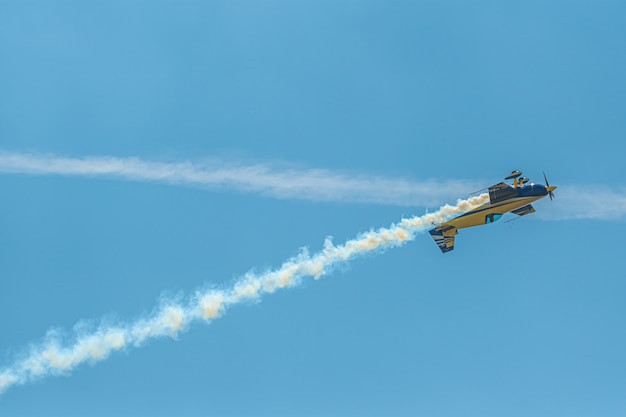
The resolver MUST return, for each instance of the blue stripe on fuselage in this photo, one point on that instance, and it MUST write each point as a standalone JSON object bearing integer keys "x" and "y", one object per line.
{"x": 526, "y": 191}
{"x": 523, "y": 192}
{"x": 487, "y": 207}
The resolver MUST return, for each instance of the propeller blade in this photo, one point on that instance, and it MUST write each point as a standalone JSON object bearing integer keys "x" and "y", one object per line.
{"x": 550, "y": 193}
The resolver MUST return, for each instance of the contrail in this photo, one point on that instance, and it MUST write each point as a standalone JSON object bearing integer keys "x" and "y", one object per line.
{"x": 311, "y": 184}
{"x": 52, "y": 357}
{"x": 594, "y": 202}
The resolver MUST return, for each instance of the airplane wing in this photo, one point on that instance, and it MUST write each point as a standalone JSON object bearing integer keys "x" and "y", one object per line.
{"x": 522, "y": 211}
{"x": 444, "y": 237}
{"x": 501, "y": 192}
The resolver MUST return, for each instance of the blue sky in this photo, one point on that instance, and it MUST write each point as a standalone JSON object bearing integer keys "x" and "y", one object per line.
{"x": 522, "y": 318}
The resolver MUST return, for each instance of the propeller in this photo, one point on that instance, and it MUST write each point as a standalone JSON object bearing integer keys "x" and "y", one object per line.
{"x": 548, "y": 187}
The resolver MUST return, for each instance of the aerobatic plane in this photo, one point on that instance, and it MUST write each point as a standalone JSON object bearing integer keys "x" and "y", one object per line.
{"x": 503, "y": 198}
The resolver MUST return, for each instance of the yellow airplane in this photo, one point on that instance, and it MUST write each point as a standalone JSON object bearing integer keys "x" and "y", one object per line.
{"x": 502, "y": 199}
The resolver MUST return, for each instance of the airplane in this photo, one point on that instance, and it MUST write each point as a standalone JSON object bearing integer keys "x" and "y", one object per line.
{"x": 502, "y": 199}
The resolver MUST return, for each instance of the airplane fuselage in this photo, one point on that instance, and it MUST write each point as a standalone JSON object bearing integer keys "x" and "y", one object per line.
{"x": 502, "y": 199}
{"x": 497, "y": 206}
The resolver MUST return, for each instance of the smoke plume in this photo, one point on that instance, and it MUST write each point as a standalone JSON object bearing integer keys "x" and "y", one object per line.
{"x": 54, "y": 356}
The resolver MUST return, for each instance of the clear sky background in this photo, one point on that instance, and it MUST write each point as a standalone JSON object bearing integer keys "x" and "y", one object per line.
{"x": 522, "y": 318}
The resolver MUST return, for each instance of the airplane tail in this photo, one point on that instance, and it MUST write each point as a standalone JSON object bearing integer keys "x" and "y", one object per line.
{"x": 444, "y": 237}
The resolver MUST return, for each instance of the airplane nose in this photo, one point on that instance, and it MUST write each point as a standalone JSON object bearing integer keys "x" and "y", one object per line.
{"x": 549, "y": 188}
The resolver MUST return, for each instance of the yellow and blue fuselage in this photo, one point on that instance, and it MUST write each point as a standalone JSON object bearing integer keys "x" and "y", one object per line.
{"x": 502, "y": 199}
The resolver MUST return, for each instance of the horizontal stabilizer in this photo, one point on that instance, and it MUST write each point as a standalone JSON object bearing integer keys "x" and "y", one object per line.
{"x": 522, "y": 211}
{"x": 444, "y": 237}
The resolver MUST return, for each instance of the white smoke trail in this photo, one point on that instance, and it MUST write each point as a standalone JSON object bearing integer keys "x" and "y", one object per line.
{"x": 312, "y": 184}
{"x": 52, "y": 357}
{"x": 596, "y": 202}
